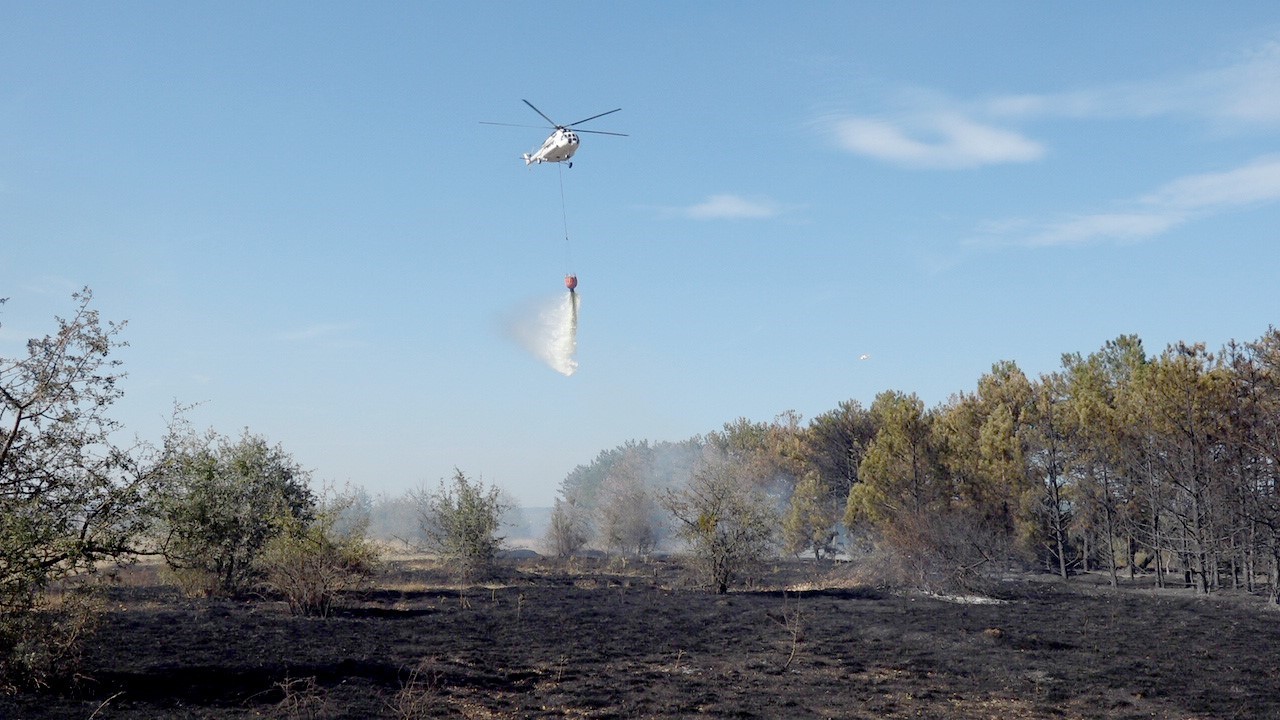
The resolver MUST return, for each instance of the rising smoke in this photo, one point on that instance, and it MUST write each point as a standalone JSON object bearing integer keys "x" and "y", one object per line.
{"x": 548, "y": 329}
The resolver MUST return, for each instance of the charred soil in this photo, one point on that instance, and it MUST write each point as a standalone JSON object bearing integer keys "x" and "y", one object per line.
{"x": 591, "y": 640}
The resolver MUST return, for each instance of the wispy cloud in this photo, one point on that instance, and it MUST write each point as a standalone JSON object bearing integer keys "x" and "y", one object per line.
{"x": 1175, "y": 203}
{"x": 930, "y": 131}
{"x": 945, "y": 140}
{"x": 731, "y": 207}
{"x": 1257, "y": 182}
{"x": 1241, "y": 92}
{"x": 317, "y": 331}
{"x": 1118, "y": 226}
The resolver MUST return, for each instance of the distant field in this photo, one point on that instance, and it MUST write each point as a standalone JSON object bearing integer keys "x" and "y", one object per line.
{"x": 593, "y": 639}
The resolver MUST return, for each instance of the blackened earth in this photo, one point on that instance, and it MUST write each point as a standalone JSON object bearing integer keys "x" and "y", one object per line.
{"x": 590, "y": 639}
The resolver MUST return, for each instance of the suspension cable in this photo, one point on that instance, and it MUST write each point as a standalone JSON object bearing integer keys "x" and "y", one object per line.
{"x": 564, "y": 215}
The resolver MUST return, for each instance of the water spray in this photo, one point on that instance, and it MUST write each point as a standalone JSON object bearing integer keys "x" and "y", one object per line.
{"x": 548, "y": 329}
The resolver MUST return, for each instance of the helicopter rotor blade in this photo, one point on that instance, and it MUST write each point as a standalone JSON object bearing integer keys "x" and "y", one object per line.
{"x": 544, "y": 115}
{"x": 483, "y": 122}
{"x": 593, "y": 117}
{"x": 600, "y": 132}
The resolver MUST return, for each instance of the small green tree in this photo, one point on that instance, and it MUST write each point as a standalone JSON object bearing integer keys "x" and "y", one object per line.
{"x": 898, "y": 474}
{"x": 727, "y": 523}
{"x": 224, "y": 502}
{"x": 810, "y": 522}
{"x": 460, "y": 522}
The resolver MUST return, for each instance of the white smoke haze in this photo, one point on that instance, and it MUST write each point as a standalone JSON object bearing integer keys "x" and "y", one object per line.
{"x": 548, "y": 329}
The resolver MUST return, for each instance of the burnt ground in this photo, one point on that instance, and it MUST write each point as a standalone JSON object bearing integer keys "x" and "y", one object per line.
{"x": 596, "y": 641}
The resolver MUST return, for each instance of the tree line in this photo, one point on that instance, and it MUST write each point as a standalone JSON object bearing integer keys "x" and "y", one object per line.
{"x": 1119, "y": 461}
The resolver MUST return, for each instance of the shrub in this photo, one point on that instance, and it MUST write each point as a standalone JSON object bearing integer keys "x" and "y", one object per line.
{"x": 312, "y": 564}
{"x": 727, "y": 523}
{"x": 225, "y": 500}
{"x": 460, "y": 522}
{"x": 569, "y": 529}
{"x": 936, "y": 552}
{"x": 628, "y": 519}
{"x": 42, "y": 643}
{"x": 419, "y": 694}
{"x": 810, "y": 522}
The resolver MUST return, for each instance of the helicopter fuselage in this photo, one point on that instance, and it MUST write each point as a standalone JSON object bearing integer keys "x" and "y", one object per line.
{"x": 559, "y": 147}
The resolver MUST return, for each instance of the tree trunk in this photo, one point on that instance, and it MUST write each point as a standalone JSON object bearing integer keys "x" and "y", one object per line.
{"x": 1157, "y": 542}
{"x": 1274, "y": 570}
{"x": 1235, "y": 563}
{"x": 1250, "y": 558}
{"x": 1131, "y": 553}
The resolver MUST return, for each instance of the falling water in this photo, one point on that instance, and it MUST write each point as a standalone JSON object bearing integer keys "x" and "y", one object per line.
{"x": 549, "y": 330}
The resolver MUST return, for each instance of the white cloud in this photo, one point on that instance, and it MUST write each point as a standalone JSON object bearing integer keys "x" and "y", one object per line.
{"x": 1257, "y": 182}
{"x": 1169, "y": 206}
{"x": 1109, "y": 226}
{"x": 731, "y": 207}
{"x": 1076, "y": 104}
{"x": 946, "y": 140}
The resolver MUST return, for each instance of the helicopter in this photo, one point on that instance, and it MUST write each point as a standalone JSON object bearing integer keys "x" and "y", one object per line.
{"x": 561, "y": 144}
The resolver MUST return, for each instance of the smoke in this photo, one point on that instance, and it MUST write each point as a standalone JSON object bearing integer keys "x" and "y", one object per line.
{"x": 548, "y": 329}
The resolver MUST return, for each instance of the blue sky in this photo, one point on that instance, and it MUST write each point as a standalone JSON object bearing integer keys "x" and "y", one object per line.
{"x": 297, "y": 209}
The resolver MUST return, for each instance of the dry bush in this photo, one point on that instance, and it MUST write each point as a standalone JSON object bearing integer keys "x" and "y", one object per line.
{"x": 940, "y": 552}
{"x": 303, "y": 699}
{"x": 569, "y": 530}
{"x": 312, "y": 565}
{"x": 793, "y": 621}
{"x": 418, "y": 697}
{"x": 42, "y": 644}
{"x": 193, "y": 582}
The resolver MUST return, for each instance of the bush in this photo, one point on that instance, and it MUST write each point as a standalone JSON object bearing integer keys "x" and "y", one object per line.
{"x": 569, "y": 529}
{"x": 727, "y": 523}
{"x": 935, "y": 552}
{"x": 460, "y": 523}
{"x": 225, "y": 500}
{"x": 628, "y": 520}
{"x": 810, "y": 522}
{"x": 42, "y": 643}
{"x": 312, "y": 564}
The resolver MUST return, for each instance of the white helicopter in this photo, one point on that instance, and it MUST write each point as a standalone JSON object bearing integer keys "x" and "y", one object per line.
{"x": 562, "y": 143}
